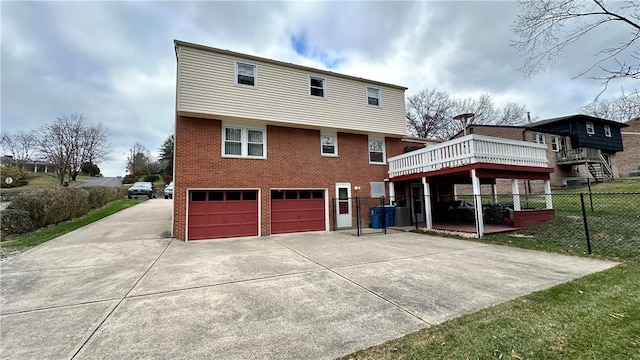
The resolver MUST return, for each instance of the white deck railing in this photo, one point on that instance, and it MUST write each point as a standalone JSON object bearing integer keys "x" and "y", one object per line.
{"x": 468, "y": 150}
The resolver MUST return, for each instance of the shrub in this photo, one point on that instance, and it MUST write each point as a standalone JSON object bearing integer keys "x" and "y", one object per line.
{"x": 167, "y": 179}
{"x": 44, "y": 207}
{"x": 129, "y": 179}
{"x": 151, "y": 178}
{"x": 15, "y": 222}
{"x": 11, "y": 171}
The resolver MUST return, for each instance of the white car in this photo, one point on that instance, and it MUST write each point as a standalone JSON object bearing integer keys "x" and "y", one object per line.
{"x": 168, "y": 191}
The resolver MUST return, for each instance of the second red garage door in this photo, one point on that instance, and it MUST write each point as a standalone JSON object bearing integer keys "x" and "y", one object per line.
{"x": 297, "y": 211}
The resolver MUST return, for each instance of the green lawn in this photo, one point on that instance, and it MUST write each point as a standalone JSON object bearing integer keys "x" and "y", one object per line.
{"x": 47, "y": 180}
{"x": 20, "y": 243}
{"x": 596, "y": 317}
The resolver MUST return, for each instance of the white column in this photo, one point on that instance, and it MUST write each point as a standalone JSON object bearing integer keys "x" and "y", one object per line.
{"x": 477, "y": 200}
{"x": 455, "y": 192}
{"x": 45, "y": 168}
{"x": 547, "y": 194}
{"x": 392, "y": 192}
{"x": 427, "y": 204}
{"x": 35, "y": 167}
{"x": 494, "y": 191}
{"x": 515, "y": 190}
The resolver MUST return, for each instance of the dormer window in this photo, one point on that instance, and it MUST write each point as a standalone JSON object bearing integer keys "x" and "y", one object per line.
{"x": 246, "y": 74}
{"x": 316, "y": 86}
{"x": 590, "y": 129}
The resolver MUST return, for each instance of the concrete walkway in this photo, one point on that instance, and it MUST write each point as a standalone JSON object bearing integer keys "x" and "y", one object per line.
{"x": 121, "y": 289}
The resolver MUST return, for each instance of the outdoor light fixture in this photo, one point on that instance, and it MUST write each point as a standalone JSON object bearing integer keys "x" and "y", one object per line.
{"x": 463, "y": 118}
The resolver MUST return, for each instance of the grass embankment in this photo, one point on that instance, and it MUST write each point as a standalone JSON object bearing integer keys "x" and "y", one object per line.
{"x": 596, "y": 317}
{"x": 23, "y": 242}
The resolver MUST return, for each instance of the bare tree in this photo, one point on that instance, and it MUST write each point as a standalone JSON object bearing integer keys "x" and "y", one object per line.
{"x": 138, "y": 160}
{"x": 21, "y": 146}
{"x": 546, "y": 27}
{"x": 57, "y": 143}
{"x": 430, "y": 113}
{"x": 92, "y": 146}
{"x": 621, "y": 109}
{"x": 427, "y": 112}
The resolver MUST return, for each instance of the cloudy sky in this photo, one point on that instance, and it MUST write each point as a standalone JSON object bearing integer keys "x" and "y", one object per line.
{"x": 114, "y": 62}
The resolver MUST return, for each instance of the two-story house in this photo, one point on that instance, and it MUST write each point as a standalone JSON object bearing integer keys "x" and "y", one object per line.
{"x": 578, "y": 146}
{"x": 263, "y": 146}
{"x": 267, "y": 147}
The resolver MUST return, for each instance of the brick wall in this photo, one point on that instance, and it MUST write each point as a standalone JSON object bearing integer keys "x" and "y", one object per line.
{"x": 293, "y": 161}
{"x": 629, "y": 159}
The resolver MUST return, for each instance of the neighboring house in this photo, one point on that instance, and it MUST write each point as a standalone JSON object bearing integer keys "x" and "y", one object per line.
{"x": 29, "y": 165}
{"x": 267, "y": 147}
{"x": 263, "y": 146}
{"x": 628, "y": 161}
{"x": 578, "y": 146}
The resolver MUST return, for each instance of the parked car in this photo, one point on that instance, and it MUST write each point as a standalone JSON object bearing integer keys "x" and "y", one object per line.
{"x": 168, "y": 191}
{"x": 142, "y": 189}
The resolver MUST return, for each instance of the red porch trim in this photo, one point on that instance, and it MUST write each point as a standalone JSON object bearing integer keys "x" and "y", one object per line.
{"x": 486, "y": 170}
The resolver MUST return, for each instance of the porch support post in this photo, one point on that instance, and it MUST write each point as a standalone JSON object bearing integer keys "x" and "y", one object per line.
{"x": 494, "y": 191}
{"x": 477, "y": 201}
{"x": 35, "y": 167}
{"x": 515, "y": 190}
{"x": 427, "y": 204}
{"x": 547, "y": 194}
{"x": 392, "y": 192}
{"x": 45, "y": 168}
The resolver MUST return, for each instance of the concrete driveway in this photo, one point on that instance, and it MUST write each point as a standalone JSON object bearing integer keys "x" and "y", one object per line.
{"x": 121, "y": 289}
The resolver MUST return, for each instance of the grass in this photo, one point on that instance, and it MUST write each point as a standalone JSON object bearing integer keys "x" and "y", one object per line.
{"x": 596, "y": 317}
{"x": 46, "y": 180}
{"x": 23, "y": 242}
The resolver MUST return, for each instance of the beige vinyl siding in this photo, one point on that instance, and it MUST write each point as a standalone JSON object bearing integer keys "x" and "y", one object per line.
{"x": 207, "y": 86}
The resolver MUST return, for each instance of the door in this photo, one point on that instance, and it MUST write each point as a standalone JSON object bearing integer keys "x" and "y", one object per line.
{"x": 215, "y": 214}
{"x": 343, "y": 205}
{"x": 417, "y": 202}
{"x": 297, "y": 211}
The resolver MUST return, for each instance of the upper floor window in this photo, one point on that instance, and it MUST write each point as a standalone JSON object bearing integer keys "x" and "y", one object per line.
{"x": 539, "y": 138}
{"x": 246, "y": 74}
{"x": 607, "y": 131}
{"x": 555, "y": 144}
{"x": 317, "y": 86}
{"x": 240, "y": 141}
{"x": 329, "y": 144}
{"x": 590, "y": 128}
{"x": 376, "y": 151}
{"x": 373, "y": 96}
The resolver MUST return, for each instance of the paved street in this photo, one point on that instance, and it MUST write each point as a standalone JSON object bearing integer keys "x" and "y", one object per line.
{"x": 101, "y": 181}
{"x": 120, "y": 288}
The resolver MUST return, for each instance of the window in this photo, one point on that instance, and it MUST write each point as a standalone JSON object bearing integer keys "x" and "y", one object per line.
{"x": 590, "y": 129}
{"x": 240, "y": 141}
{"x": 246, "y": 74}
{"x": 329, "y": 144}
{"x": 607, "y": 131}
{"x": 539, "y": 138}
{"x": 376, "y": 151}
{"x": 316, "y": 86}
{"x": 377, "y": 189}
{"x": 555, "y": 143}
{"x": 373, "y": 96}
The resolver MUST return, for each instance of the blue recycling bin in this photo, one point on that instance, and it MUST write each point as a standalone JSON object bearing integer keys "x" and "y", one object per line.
{"x": 389, "y": 212}
{"x": 376, "y": 216}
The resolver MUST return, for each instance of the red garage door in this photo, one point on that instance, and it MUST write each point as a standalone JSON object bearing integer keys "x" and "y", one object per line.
{"x": 297, "y": 210}
{"x": 222, "y": 214}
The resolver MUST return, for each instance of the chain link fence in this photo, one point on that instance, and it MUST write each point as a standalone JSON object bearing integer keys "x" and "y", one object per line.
{"x": 602, "y": 224}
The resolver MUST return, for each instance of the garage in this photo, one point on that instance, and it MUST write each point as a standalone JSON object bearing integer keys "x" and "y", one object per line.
{"x": 297, "y": 211}
{"x": 215, "y": 214}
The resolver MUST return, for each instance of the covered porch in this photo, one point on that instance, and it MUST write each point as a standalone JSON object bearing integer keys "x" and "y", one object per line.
{"x": 428, "y": 181}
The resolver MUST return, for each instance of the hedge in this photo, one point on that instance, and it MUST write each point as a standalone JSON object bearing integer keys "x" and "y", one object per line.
{"x": 38, "y": 208}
